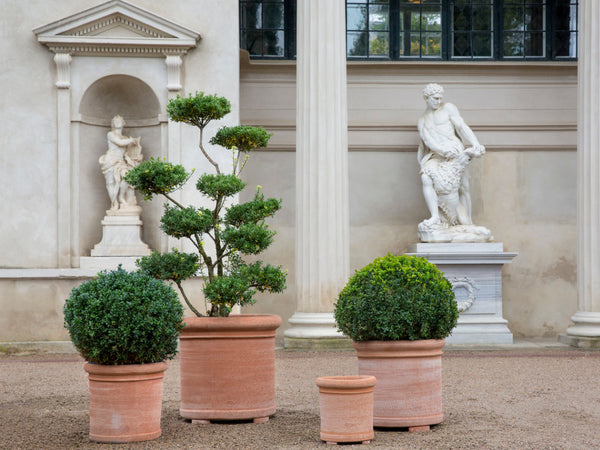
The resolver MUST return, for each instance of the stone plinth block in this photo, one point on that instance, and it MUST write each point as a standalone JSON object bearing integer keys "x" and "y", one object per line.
{"x": 475, "y": 271}
{"x": 121, "y": 235}
{"x": 121, "y": 242}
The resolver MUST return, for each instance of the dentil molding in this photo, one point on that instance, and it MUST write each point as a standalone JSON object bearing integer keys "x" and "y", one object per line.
{"x": 116, "y": 28}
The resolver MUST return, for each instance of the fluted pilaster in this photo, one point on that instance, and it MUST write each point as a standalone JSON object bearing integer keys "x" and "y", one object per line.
{"x": 586, "y": 328}
{"x": 322, "y": 224}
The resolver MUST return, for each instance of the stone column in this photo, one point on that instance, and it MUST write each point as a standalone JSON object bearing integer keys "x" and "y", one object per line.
{"x": 586, "y": 329}
{"x": 322, "y": 224}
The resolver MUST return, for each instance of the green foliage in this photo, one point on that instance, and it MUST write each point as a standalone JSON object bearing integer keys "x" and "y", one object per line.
{"x": 220, "y": 185}
{"x": 240, "y": 285}
{"x": 154, "y": 177}
{"x": 123, "y": 317}
{"x": 249, "y": 238}
{"x": 185, "y": 222}
{"x": 235, "y": 229}
{"x": 241, "y": 137}
{"x": 397, "y": 298}
{"x": 253, "y": 211}
{"x": 174, "y": 265}
{"x": 199, "y": 109}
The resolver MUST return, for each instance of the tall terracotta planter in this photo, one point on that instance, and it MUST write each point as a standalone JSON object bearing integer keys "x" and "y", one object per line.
{"x": 409, "y": 381}
{"x": 125, "y": 401}
{"x": 228, "y": 367}
{"x": 346, "y": 404}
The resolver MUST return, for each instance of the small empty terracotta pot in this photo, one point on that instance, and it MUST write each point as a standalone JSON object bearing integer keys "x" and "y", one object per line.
{"x": 346, "y": 408}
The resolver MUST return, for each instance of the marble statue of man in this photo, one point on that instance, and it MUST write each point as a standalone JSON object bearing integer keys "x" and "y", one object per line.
{"x": 123, "y": 154}
{"x": 446, "y": 147}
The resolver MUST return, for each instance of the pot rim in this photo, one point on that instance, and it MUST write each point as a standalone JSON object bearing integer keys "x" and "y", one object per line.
{"x": 347, "y": 381}
{"x": 233, "y": 322}
{"x": 395, "y": 349}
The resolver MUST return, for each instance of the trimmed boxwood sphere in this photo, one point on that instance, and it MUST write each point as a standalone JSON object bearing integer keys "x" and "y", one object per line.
{"x": 123, "y": 317}
{"x": 397, "y": 298}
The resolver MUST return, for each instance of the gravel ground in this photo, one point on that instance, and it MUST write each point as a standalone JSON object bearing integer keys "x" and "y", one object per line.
{"x": 492, "y": 400}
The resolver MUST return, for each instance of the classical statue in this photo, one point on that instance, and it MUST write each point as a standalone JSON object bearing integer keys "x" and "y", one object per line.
{"x": 446, "y": 148}
{"x": 123, "y": 154}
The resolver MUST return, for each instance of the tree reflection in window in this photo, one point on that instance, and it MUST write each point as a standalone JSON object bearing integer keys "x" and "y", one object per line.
{"x": 425, "y": 29}
{"x": 420, "y": 28}
{"x": 368, "y": 28}
{"x": 263, "y": 27}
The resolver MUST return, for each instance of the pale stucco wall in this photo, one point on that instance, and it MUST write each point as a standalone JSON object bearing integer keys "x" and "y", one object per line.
{"x": 28, "y": 143}
{"x": 524, "y": 188}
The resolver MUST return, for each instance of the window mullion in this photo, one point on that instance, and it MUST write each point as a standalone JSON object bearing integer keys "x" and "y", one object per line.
{"x": 394, "y": 29}
{"x": 446, "y": 30}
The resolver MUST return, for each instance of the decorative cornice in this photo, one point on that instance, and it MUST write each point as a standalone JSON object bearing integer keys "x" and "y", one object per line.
{"x": 116, "y": 28}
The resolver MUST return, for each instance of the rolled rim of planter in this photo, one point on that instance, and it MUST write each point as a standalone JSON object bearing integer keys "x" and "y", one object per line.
{"x": 244, "y": 325}
{"x": 347, "y": 382}
{"x": 404, "y": 349}
{"x": 150, "y": 371}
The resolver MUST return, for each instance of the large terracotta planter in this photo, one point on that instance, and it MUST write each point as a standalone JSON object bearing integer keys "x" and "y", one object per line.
{"x": 228, "y": 367}
{"x": 346, "y": 404}
{"x": 409, "y": 381}
{"x": 125, "y": 401}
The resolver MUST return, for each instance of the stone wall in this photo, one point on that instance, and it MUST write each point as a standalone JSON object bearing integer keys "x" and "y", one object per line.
{"x": 523, "y": 189}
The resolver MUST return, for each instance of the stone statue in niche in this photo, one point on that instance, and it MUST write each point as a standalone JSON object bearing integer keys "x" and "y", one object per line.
{"x": 123, "y": 154}
{"x": 446, "y": 148}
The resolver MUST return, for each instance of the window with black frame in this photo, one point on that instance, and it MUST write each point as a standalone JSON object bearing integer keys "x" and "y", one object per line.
{"x": 426, "y": 29}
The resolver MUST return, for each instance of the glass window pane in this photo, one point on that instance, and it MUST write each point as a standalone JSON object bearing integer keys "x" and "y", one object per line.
{"x": 379, "y": 17}
{"x": 251, "y": 15}
{"x": 252, "y": 41}
{"x": 432, "y": 19}
{"x": 273, "y": 43}
{"x": 415, "y": 45}
{"x": 356, "y": 18}
{"x": 433, "y": 44}
{"x": 379, "y": 44}
{"x": 461, "y": 44}
{"x": 513, "y": 44}
{"x": 566, "y": 44}
{"x": 482, "y": 17}
{"x": 513, "y": 18}
{"x": 461, "y": 17}
{"x": 273, "y": 15}
{"x": 356, "y": 43}
{"x": 566, "y": 16}
{"x": 415, "y": 20}
{"x": 534, "y": 44}
{"x": 482, "y": 45}
{"x": 535, "y": 18}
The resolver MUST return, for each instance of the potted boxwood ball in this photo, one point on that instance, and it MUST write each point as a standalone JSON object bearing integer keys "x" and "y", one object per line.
{"x": 126, "y": 325}
{"x": 227, "y": 361}
{"x": 398, "y": 310}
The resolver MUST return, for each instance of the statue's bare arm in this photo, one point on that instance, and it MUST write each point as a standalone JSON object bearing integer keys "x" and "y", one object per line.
{"x": 120, "y": 141}
{"x": 462, "y": 129}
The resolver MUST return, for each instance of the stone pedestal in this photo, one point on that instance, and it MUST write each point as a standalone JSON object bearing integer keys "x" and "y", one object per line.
{"x": 121, "y": 241}
{"x": 475, "y": 271}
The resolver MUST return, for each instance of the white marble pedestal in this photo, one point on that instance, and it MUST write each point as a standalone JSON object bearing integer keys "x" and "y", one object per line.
{"x": 475, "y": 271}
{"x": 121, "y": 241}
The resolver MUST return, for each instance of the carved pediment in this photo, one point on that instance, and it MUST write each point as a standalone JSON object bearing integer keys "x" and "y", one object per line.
{"x": 116, "y": 27}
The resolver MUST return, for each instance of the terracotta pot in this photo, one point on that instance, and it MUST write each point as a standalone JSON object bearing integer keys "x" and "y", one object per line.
{"x": 409, "y": 381}
{"x": 228, "y": 367}
{"x": 125, "y": 401}
{"x": 346, "y": 408}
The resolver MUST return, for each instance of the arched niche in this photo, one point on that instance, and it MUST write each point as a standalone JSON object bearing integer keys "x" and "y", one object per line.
{"x": 113, "y": 58}
{"x": 137, "y": 103}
